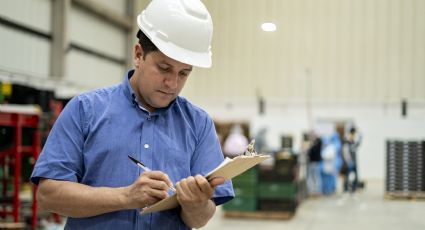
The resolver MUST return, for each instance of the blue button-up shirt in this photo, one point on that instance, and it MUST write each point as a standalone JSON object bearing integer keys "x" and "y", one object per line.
{"x": 92, "y": 137}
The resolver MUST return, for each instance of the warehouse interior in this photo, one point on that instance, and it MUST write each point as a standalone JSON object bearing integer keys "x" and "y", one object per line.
{"x": 327, "y": 67}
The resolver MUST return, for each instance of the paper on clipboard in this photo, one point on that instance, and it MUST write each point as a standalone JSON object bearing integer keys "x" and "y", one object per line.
{"x": 228, "y": 169}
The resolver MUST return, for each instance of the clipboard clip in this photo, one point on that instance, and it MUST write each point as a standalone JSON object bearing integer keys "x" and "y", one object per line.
{"x": 250, "y": 150}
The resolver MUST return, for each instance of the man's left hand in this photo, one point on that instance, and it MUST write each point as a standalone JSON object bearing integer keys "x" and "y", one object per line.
{"x": 195, "y": 192}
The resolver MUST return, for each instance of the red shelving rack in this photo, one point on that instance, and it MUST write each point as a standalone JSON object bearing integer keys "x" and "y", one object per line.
{"x": 13, "y": 157}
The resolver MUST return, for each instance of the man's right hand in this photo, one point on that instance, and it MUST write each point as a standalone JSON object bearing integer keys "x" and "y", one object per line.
{"x": 148, "y": 189}
{"x": 79, "y": 200}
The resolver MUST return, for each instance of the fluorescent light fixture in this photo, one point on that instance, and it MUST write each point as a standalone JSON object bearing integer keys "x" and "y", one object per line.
{"x": 268, "y": 26}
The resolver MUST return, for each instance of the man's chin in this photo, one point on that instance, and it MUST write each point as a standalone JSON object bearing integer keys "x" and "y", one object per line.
{"x": 162, "y": 105}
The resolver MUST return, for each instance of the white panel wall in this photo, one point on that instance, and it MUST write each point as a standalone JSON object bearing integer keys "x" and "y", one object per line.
{"x": 92, "y": 72}
{"x": 95, "y": 33}
{"x": 32, "y": 13}
{"x": 353, "y": 51}
{"x": 23, "y": 53}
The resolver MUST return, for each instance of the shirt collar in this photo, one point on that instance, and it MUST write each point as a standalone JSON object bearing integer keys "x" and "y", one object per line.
{"x": 131, "y": 96}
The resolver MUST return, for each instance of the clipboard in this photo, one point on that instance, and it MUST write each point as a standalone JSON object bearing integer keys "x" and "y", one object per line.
{"x": 228, "y": 169}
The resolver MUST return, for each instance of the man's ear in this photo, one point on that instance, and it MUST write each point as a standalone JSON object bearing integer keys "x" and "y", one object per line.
{"x": 138, "y": 55}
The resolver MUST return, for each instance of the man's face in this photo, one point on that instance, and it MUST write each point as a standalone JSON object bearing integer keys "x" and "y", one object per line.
{"x": 157, "y": 79}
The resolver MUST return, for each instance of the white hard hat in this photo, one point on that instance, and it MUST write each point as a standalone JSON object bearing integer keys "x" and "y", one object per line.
{"x": 181, "y": 29}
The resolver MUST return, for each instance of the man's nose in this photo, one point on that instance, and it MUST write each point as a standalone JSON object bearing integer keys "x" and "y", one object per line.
{"x": 171, "y": 81}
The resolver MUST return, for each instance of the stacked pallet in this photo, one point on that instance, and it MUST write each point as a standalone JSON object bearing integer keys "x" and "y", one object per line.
{"x": 278, "y": 186}
{"x": 245, "y": 187}
{"x": 266, "y": 192}
{"x": 405, "y": 176}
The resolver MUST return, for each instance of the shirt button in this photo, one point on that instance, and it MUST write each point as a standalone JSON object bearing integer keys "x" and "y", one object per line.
{"x": 146, "y": 146}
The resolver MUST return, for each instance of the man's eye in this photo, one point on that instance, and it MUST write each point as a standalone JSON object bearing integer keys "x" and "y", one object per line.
{"x": 163, "y": 68}
{"x": 183, "y": 74}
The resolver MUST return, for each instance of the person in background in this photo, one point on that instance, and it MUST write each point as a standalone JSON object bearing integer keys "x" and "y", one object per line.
{"x": 261, "y": 140}
{"x": 236, "y": 142}
{"x": 83, "y": 171}
{"x": 349, "y": 154}
{"x": 331, "y": 162}
{"x": 314, "y": 180}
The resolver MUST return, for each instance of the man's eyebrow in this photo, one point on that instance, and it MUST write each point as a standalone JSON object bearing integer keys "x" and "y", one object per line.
{"x": 189, "y": 69}
{"x": 171, "y": 66}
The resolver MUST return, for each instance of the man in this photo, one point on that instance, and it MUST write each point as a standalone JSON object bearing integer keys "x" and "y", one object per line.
{"x": 314, "y": 153}
{"x": 83, "y": 171}
{"x": 331, "y": 162}
{"x": 351, "y": 145}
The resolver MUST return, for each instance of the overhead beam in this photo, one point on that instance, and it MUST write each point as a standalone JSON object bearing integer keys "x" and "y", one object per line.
{"x": 96, "y": 53}
{"x": 24, "y": 28}
{"x": 105, "y": 13}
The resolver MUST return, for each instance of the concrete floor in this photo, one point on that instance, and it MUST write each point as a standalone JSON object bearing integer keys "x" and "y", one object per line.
{"x": 366, "y": 210}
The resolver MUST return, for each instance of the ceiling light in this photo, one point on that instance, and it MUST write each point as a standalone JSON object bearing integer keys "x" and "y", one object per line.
{"x": 268, "y": 26}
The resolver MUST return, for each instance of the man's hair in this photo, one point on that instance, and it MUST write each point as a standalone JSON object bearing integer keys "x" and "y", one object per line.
{"x": 146, "y": 43}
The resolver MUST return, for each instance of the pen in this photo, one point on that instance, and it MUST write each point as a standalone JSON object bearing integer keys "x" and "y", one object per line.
{"x": 146, "y": 169}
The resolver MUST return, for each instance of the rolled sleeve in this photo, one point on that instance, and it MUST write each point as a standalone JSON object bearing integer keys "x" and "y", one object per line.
{"x": 61, "y": 158}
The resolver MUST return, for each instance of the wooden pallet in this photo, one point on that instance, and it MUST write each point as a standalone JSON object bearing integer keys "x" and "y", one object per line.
{"x": 8, "y": 225}
{"x": 270, "y": 215}
{"x": 405, "y": 196}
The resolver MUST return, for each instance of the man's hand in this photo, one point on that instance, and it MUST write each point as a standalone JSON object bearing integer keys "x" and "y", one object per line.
{"x": 148, "y": 189}
{"x": 194, "y": 192}
{"x": 194, "y": 195}
{"x": 78, "y": 200}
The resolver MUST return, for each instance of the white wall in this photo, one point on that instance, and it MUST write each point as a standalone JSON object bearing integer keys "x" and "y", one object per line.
{"x": 25, "y": 58}
{"x": 33, "y": 13}
{"x": 20, "y": 52}
{"x": 24, "y": 53}
{"x": 92, "y": 72}
{"x": 90, "y": 31}
{"x": 353, "y": 50}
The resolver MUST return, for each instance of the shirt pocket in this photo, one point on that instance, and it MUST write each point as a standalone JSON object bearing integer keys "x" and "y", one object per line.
{"x": 177, "y": 163}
